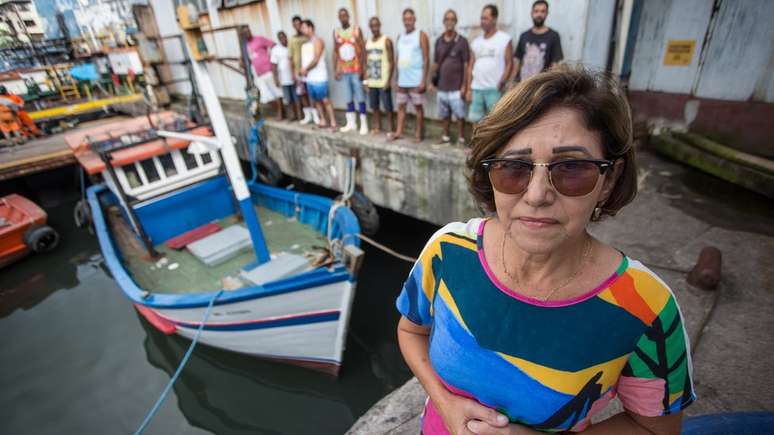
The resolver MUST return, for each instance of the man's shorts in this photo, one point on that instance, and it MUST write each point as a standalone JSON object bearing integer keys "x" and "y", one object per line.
{"x": 353, "y": 88}
{"x": 317, "y": 91}
{"x": 289, "y": 94}
{"x": 482, "y": 102}
{"x": 405, "y": 95}
{"x": 268, "y": 89}
{"x": 376, "y": 94}
{"x": 450, "y": 103}
{"x": 300, "y": 88}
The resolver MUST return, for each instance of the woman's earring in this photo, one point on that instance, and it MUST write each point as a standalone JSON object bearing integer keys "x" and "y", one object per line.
{"x": 596, "y": 214}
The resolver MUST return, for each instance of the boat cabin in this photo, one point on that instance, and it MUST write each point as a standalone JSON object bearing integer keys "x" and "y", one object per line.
{"x": 151, "y": 168}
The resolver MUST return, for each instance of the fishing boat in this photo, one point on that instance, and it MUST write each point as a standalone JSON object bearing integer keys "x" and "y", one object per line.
{"x": 23, "y": 229}
{"x": 175, "y": 235}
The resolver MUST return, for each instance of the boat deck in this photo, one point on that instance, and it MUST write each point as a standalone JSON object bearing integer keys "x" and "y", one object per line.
{"x": 42, "y": 154}
{"x": 282, "y": 234}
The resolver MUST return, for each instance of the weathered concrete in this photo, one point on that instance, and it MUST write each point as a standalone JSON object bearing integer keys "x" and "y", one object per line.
{"x": 425, "y": 181}
{"x": 730, "y": 329}
{"x": 421, "y": 181}
{"x": 743, "y": 169}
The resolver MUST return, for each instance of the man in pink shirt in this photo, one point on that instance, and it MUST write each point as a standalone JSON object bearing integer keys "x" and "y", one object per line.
{"x": 259, "y": 48}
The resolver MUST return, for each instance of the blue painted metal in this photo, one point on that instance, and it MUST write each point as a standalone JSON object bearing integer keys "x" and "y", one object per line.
{"x": 98, "y": 195}
{"x": 313, "y": 211}
{"x": 251, "y": 220}
{"x": 734, "y": 423}
{"x": 253, "y": 141}
{"x": 186, "y": 209}
{"x": 250, "y": 326}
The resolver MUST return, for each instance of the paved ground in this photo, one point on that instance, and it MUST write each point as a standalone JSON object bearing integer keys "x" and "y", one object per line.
{"x": 677, "y": 212}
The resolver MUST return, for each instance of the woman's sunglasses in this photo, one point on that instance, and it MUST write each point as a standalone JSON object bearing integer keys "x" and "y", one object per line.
{"x": 576, "y": 177}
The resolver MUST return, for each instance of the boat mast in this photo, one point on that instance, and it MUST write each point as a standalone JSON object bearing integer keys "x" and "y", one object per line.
{"x": 230, "y": 157}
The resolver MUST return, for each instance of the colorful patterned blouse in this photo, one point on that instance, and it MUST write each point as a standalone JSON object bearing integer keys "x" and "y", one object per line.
{"x": 547, "y": 365}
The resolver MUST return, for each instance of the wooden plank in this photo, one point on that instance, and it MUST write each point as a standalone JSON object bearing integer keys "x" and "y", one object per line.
{"x": 41, "y": 154}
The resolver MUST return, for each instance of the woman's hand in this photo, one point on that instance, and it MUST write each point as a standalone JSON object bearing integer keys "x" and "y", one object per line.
{"x": 457, "y": 412}
{"x": 481, "y": 428}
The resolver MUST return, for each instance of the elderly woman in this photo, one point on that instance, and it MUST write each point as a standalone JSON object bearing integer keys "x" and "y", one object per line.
{"x": 522, "y": 321}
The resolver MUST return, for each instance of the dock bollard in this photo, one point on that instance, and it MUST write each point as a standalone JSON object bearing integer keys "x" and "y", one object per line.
{"x": 706, "y": 273}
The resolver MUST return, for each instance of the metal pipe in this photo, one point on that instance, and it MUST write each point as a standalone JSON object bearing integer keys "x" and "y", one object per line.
{"x": 230, "y": 157}
{"x": 133, "y": 219}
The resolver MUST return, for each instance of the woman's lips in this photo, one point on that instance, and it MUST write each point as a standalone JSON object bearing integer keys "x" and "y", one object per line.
{"x": 531, "y": 222}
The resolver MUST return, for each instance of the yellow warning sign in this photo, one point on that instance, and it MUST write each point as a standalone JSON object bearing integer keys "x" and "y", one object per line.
{"x": 679, "y": 52}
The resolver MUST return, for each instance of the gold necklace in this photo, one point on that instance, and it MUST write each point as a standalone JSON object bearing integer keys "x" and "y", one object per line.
{"x": 586, "y": 251}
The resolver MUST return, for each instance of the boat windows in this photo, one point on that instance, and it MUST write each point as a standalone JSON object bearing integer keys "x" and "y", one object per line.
{"x": 132, "y": 177}
{"x": 165, "y": 172}
{"x": 168, "y": 165}
{"x": 149, "y": 167}
{"x": 190, "y": 160}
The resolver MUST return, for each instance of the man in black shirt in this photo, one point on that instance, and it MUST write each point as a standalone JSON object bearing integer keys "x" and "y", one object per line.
{"x": 539, "y": 48}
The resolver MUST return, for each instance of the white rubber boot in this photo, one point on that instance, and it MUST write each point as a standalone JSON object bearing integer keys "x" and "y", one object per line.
{"x": 351, "y": 124}
{"x": 363, "y": 124}
{"x": 315, "y": 116}
{"x": 307, "y": 115}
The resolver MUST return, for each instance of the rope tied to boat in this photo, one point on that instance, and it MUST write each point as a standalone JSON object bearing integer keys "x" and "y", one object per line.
{"x": 336, "y": 244}
{"x": 180, "y": 367}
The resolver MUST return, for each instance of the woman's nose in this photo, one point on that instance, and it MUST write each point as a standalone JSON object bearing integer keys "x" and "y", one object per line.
{"x": 539, "y": 190}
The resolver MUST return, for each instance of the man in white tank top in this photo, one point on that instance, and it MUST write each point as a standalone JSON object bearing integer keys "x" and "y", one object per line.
{"x": 490, "y": 65}
{"x": 315, "y": 74}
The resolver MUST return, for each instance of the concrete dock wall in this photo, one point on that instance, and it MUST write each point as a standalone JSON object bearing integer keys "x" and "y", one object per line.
{"x": 423, "y": 181}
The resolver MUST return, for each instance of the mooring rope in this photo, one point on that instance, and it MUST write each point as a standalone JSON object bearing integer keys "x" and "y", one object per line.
{"x": 179, "y": 370}
{"x": 378, "y": 245}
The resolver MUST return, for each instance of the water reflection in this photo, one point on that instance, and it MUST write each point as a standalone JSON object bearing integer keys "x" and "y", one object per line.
{"x": 31, "y": 280}
{"x": 227, "y": 393}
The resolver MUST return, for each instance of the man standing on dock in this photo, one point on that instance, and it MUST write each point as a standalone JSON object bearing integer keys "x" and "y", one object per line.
{"x": 315, "y": 74}
{"x": 283, "y": 76}
{"x": 259, "y": 52}
{"x": 294, "y": 51}
{"x": 413, "y": 66}
{"x": 379, "y": 67}
{"x": 539, "y": 48}
{"x": 449, "y": 76}
{"x": 348, "y": 60}
{"x": 489, "y": 67}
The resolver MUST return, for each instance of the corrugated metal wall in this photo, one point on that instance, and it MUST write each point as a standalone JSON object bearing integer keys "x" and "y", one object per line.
{"x": 584, "y": 26}
{"x": 733, "y": 57}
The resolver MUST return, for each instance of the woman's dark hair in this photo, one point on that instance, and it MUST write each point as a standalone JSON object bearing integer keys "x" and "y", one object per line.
{"x": 597, "y": 96}
{"x": 308, "y": 23}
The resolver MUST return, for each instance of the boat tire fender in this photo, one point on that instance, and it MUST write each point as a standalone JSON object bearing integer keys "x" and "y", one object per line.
{"x": 268, "y": 170}
{"x": 366, "y": 212}
{"x": 41, "y": 239}
{"x": 82, "y": 214}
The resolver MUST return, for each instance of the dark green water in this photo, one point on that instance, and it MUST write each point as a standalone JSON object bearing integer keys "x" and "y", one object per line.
{"x": 75, "y": 357}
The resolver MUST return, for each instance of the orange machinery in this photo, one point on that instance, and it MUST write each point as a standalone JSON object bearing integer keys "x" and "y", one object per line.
{"x": 23, "y": 229}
